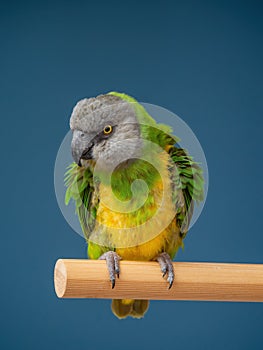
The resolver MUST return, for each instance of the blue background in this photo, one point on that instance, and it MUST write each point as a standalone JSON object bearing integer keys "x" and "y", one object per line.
{"x": 200, "y": 59}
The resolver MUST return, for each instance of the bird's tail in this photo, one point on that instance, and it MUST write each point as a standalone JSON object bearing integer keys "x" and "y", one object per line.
{"x": 123, "y": 308}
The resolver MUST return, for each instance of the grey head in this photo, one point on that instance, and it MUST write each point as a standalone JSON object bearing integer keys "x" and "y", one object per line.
{"x": 105, "y": 128}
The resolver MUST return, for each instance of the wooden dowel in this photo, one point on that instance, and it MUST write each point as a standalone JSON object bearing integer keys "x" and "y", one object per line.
{"x": 143, "y": 280}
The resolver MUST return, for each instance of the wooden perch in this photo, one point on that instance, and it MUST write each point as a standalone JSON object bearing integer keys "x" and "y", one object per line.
{"x": 143, "y": 280}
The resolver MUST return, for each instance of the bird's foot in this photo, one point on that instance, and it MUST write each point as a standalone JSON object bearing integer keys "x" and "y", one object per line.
{"x": 166, "y": 265}
{"x": 112, "y": 260}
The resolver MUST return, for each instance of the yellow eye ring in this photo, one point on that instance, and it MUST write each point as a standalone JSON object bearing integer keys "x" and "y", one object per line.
{"x": 107, "y": 130}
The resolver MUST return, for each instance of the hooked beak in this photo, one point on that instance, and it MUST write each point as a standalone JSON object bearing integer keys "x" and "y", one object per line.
{"x": 81, "y": 149}
{"x": 86, "y": 154}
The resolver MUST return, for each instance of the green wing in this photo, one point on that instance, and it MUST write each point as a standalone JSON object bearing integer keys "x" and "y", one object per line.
{"x": 80, "y": 188}
{"x": 188, "y": 180}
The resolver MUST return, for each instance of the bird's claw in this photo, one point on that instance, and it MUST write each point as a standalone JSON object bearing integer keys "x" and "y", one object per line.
{"x": 164, "y": 271}
{"x": 112, "y": 260}
{"x": 166, "y": 265}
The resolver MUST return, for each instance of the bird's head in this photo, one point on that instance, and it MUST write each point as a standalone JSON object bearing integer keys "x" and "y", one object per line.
{"x": 104, "y": 128}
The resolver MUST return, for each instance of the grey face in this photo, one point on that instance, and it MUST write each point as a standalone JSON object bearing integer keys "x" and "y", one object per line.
{"x": 104, "y": 128}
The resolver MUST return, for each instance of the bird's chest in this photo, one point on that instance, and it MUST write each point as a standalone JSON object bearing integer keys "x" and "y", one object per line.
{"x": 139, "y": 225}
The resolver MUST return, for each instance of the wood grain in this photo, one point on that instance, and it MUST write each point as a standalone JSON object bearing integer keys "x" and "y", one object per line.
{"x": 143, "y": 280}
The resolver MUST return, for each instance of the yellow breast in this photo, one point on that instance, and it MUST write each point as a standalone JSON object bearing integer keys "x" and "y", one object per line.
{"x": 142, "y": 233}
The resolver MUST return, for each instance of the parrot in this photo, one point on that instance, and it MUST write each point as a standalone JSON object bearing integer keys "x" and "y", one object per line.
{"x": 118, "y": 148}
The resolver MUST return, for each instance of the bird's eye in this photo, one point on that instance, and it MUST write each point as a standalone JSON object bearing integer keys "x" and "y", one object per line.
{"x": 107, "y": 130}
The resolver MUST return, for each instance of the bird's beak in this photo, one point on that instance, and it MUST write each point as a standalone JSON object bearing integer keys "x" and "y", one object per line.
{"x": 81, "y": 149}
{"x": 87, "y": 153}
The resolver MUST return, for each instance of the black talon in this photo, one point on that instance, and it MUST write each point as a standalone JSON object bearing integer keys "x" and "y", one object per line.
{"x": 164, "y": 272}
{"x": 112, "y": 283}
{"x": 170, "y": 284}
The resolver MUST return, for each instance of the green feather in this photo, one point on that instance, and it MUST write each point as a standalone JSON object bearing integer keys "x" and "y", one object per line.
{"x": 192, "y": 184}
{"x": 80, "y": 188}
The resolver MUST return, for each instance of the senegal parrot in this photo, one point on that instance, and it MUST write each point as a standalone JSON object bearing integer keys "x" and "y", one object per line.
{"x": 134, "y": 188}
